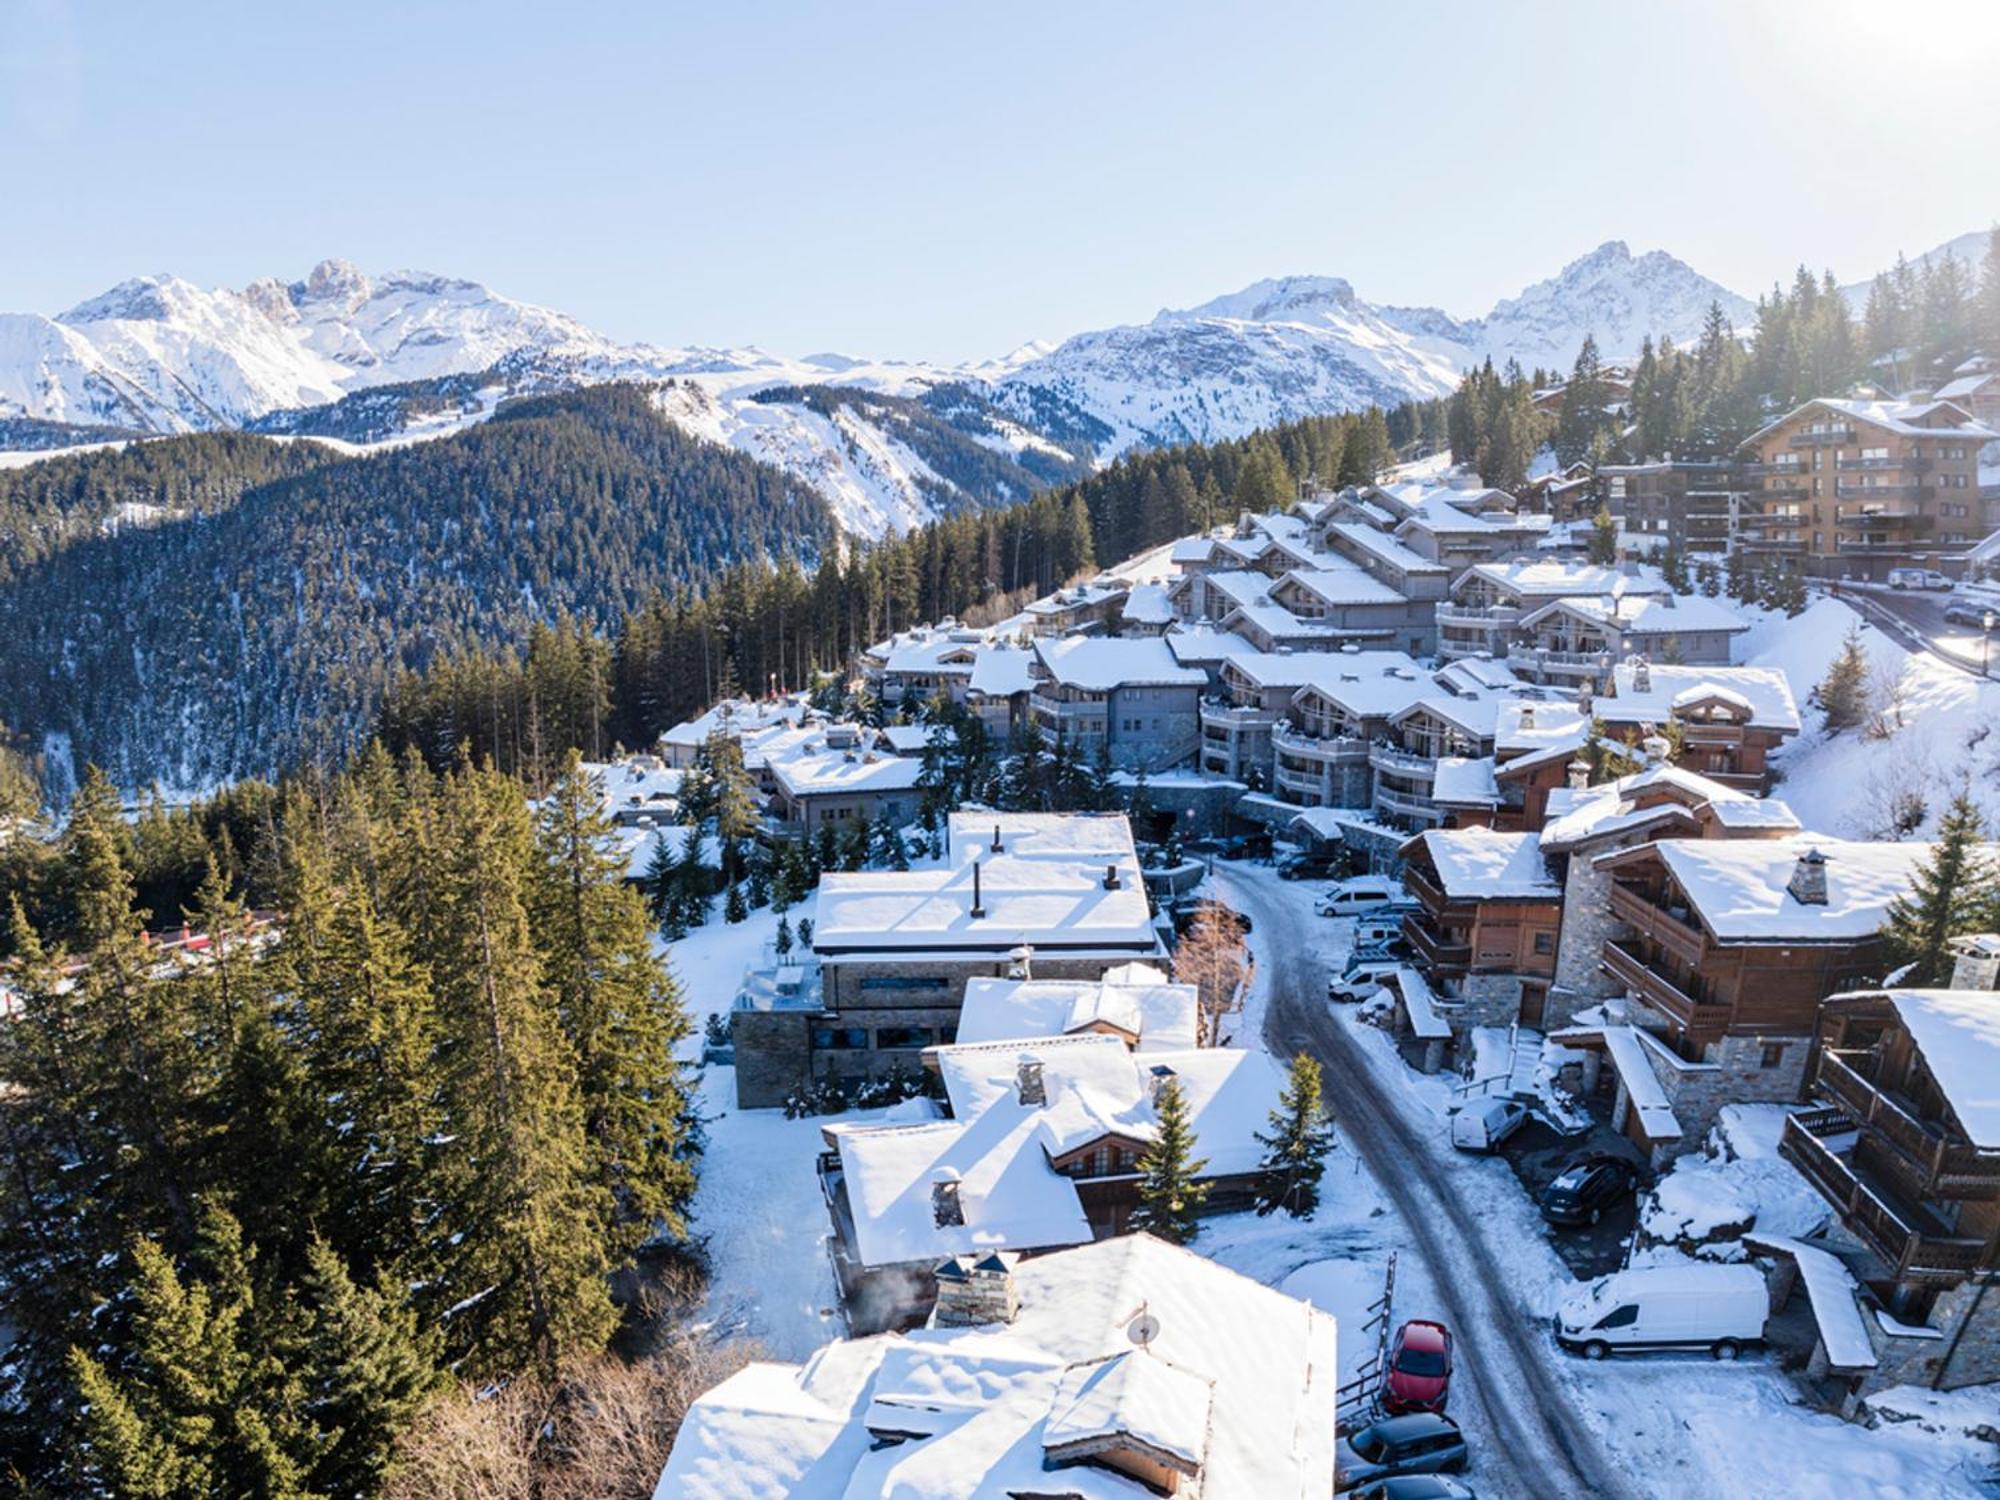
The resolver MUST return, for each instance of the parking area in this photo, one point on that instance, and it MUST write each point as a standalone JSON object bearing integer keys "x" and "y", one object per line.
{"x": 1537, "y": 1153}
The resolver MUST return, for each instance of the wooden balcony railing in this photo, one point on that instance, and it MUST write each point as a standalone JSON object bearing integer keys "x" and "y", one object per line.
{"x": 1911, "y": 1255}
{"x": 1678, "y": 935}
{"x": 1940, "y": 1166}
{"x": 1629, "y": 967}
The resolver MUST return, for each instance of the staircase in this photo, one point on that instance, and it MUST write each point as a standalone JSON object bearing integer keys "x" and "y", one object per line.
{"x": 1513, "y": 1069}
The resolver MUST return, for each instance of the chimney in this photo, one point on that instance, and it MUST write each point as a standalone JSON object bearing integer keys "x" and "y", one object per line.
{"x": 1808, "y": 882}
{"x": 978, "y": 905}
{"x": 974, "y": 1292}
{"x": 1527, "y": 716}
{"x": 947, "y": 1207}
{"x": 1029, "y": 1084}
{"x": 997, "y": 846}
{"x": 1642, "y": 675}
{"x": 1579, "y": 774}
{"x": 1157, "y": 1078}
{"x": 1111, "y": 877}
{"x": 1657, "y": 748}
{"x": 1976, "y": 962}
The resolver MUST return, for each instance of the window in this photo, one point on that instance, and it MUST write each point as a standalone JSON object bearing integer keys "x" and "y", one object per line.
{"x": 902, "y": 1036}
{"x": 904, "y": 982}
{"x": 1545, "y": 942}
{"x": 1620, "y": 1317}
{"x": 836, "y": 1038}
{"x": 1773, "y": 1054}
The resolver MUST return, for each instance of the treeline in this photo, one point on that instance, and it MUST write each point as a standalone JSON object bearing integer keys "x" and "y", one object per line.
{"x": 761, "y": 626}
{"x": 262, "y": 636}
{"x": 1918, "y": 325}
{"x": 261, "y": 1212}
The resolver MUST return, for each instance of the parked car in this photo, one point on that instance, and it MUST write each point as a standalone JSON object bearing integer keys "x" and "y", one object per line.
{"x": 1966, "y": 612}
{"x": 1416, "y": 1487}
{"x": 1364, "y": 893}
{"x": 1935, "y": 580}
{"x": 1584, "y": 1192}
{"x": 1361, "y": 978}
{"x": 1717, "y": 1308}
{"x": 1424, "y": 1442}
{"x": 1186, "y": 911}
{"x": 1483, "y": 1124}
{"x": 1305, "y": 867}
{"x": 1418, "y": 1374}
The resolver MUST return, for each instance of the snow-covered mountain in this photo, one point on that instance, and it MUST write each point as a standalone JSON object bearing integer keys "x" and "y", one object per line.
{"x": 1969, "y": 250}
{"x": 390, "y": 358}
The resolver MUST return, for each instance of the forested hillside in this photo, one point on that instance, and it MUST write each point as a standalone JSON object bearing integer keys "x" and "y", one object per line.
{"x": 253, "y": 636}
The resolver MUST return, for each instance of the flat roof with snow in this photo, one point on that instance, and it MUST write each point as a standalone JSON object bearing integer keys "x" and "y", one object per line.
{"x": 1100, "y": 664}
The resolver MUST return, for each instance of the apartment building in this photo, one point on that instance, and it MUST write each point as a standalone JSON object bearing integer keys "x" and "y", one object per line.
{"x": 1489, "y": 600}
{"x": 1389, "y": 561}
{"x": 914, "y": 666}
{"x": 1256, "y": 693}
{"x": 1125, "y": 697}
{"x": 1690, "y": 505}
{"x": 1857, "y": 487}
{"x": 1574, "y": 640}
{"x": 1086, "y": 608}
{"x": 1729, "y": 719}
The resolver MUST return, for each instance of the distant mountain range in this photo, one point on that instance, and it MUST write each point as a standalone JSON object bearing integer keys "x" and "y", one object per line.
{"x": 371, "y": 360}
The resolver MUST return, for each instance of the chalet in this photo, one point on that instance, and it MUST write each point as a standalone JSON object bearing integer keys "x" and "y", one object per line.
{"x": 1358, "y": 607}
{"x": 1857, "y": 487}
{"x": 1127, "y": 699}
{"x": 867, "y": 780}
{"x": 1136, "y": 1003}
{"x": 1149, "y": 610}
{"x": 1460, "y": 528}
{"x": 1214, "y": 596}
{"x": 1257, "y": 693}
{"x": 1041, "y": 1150}
{"x": 1484, "y": 934}
{"x": 1130, "y": 1366}
{"x": 915, "y": 666}
{"x": 1026, "y": 895}
{"x": 1487, "y": 727}
{"x": 744, "y": 720}
{"x": 1389, "y": 561}
{"x": 1724, "y": 949}
{"x": 1572, "y": 641}
{"x": 1321, "y": 746}
{"x": 999, "y": 689}
{"x": 1728, "y": 719}
{"x": 1906, "y": 1149}
{"x": 1086, "y": 608}
{"x": 1976, "y": 393}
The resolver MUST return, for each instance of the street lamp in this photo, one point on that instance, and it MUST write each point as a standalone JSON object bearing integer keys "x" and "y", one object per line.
{"x": 1988, "y": 620}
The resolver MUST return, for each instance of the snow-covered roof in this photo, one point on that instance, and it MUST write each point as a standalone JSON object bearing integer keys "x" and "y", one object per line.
{"x": 1964, "y": 386}
{"x": 1368, "y": 684}
{"x": 735, "y": 717}
{"x": 1763, "y": 688}
{"x": 1335, "y": 581}
{"x": 1239, "y": 586}
{"x": 846, "y": 772}
{"x": 1099, "y": 664}
{"x": 1426, "y": 1024}
{"x": 1479, "y": 864}
{"x": 1147, "y": 604}
{"x": 1645, "y": 614}
{"x": 1830, "y": 1288}
{"x": 1655, "y": 795}
{"x": 1192, "y": 549}
{"x": 1138, "y": 999}
{"x": 638, "y": 781}
{"x": 946, "y": 652}
{"x": 1471, "y": 675}
{"x": 910, "y": 739}
{"x": 1627, "y": 1048}
{"x": 977, "y": 1403}
{"x": 1904, "y": 418}
{"x": 1133, "y": 1394}
{"x": 1001, "y": 670}
{"x": 1070, "y": 600}
{"x": 1958, "y": 1033}
{"x": 1522, "y": 726}
{"x": 1046, "y": 888}
{"x": 1281, "y": 624}
{"x": 1385, "y": 547}
{"x": 1474, "y": 716}
{"x": 1542, "y": 579}
{"x": 1464, "y": 782}
{"x": 1739, "y": 887}
{"x": 1193, "y": 644}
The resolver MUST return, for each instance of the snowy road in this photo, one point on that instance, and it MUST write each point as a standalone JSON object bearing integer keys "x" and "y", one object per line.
{"x": 1540, "y": 1444}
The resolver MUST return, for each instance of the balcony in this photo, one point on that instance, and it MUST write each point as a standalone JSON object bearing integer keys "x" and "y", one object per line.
{"x": 1778, "y": 470}
{"x": 1629, "y": 967}
{"x": 1674, "y": 932}
{"x": 1399, "y": 762}
{"x": 1878, "y": 491}
{"x": 1781, "y": 492}
{"x": 1489, "y": 616}
{"x": 1431, "y": 950}
{"x": 1867, "y": 465}
{"x": 1235, "y": 716}
{"x": 1417, "y": 809}
{"x": 1337, "y": 749}
{"x": 1562, "y": 663}
{"x": 1939, "y": 1165}
{"x": 1814, "y": 437}
{"x": 1889, "y": 1227}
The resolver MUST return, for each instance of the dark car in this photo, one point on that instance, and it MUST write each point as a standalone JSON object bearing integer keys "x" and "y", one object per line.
{"x": 1418, "y": 1375}
{"x": 1421, "y": 1443}
{"x": 1417, "y": 1487}
{"x": 1305, "y": 867}
{"x": 1186, "y": 912}
{"x": 1585, "y": 1192}
{"x": 1960, "y": 612}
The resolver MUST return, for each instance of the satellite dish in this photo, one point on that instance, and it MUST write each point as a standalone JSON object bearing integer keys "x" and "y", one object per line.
{"x": 1143, "y": 1329}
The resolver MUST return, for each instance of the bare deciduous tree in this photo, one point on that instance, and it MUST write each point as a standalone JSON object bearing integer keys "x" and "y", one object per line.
{"x": 1213, "y": 958}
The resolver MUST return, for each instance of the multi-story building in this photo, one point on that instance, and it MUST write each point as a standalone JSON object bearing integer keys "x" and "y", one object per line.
{"x": 1389, "y": 561}
{"x": 1690, "y": 505}
{"x": 1724, "y": 949}
{"x": 1448, "y": 527}
{"x": 1574, "y": 640}
{"x": 914, "y": 666}
{"x": 999, "y": 689}
{"x": 1125, "y": 697}
{"x": 1321, "y": 748}
{"x": 1262, "y": 695}
{"x": 1458, "y": 735}
{"x": 848, "y": 776}
{"x": 1485, "y": 930}
{"x": 1907, "y": 1151}
{"x": 1489, "y": 600}
{"x": 1085, "y": 608}
{"x": 1049, "y": 895}
{"x": 1867, "y": 485}
{"x": 1728, "y": 719}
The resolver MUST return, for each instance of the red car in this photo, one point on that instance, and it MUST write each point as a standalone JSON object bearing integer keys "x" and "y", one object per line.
{"x": 1418, "y": 1377}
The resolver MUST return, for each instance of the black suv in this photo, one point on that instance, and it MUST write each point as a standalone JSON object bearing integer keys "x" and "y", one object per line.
{"x": 1585, "y": 1191}
{"x": 1421, "y": 1443}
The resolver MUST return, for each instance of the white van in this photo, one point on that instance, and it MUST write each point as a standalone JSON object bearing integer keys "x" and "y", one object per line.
{"x": 1906, "y": 578}
{"x": 1378, "y": 929}
{"x": 1364, "y": 893}
{"x": 1717, "y": 1308}
{"x": 1484, "y": 1123}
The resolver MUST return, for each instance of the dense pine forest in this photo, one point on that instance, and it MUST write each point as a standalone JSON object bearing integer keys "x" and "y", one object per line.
{"x": 265, "y": 1212}
{"x": 1916, "y": 327}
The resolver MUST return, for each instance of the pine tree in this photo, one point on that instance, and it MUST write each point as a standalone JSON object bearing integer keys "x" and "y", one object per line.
{"x": 1951, "y": 893}
{"x": 1842, "y": 694}
{"x": 781, "y": 943}
{"x": 1296, "y": 1148}
{"x": 1170, "y": 1197}
{"x": 1603, "y": 537}
{"x": 734, "y": 908}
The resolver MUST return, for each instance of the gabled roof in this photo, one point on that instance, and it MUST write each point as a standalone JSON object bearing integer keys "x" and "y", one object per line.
{"x": 1739, "y": 889}
{"x": 1478, "y": 864}
{"x": 1904, "y": 418}
{"x": 1632, "y": 614}
{"x": 1384, "y": 547}
{"x": 1958, "y": 1033}
{"x": 1543, "y": 579}
{"x": 1764, "y": 688}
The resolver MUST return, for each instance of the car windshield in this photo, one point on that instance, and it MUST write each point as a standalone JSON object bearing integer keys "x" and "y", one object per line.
{"x": 1368, "y": 1444}
{"x": 1420, "y": 1362}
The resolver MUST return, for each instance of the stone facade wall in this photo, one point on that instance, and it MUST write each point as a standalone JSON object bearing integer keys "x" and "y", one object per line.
{"x": 1960, "y": 1313}
{"x": 1731, "y": 1072}
{"x": 1486, "y": 1000}
{"x": 773, "y": 1054}
{"x": 1586, "y": 924}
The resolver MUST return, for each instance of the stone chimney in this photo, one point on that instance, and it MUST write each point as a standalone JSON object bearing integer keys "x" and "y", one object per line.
{"x": 1808, "y": 882}
{"x": 1579, "y": 774}
{"x": 947, "y": 1206}
{"x": 1976, "y": 962}
{"x": 973, "y": 1291}
{"x": 1029, "y": 1084}
{"x": 1157, "y": 1078}
{"x": 1111, "y": 877}
{"x": 1657, "y": 747}
{"x": 1642, "y": 675}
{"x": 1527, "y": 716}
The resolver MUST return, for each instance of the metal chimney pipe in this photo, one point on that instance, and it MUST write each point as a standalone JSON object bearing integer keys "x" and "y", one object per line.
{"x": 978, "y": 906}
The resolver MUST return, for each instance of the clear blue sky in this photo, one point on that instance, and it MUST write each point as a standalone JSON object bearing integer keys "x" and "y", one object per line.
{"x": 946, "y": 180}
